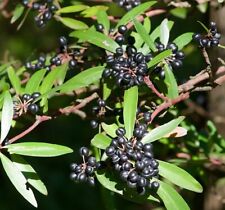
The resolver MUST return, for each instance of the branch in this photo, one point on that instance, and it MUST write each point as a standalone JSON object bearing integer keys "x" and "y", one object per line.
{"x": 39, "y": 119}
{"x": 75, "y": 109}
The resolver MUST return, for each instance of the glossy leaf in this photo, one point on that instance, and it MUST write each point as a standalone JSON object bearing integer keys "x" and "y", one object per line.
{"x": 135, "y": 12}
{"x": 110, "y": 129}
{"x": 179, "y": 176}
{"x": 18, "y": 180}
{"x": 101, "y": 141}
{"x": 14, "y": 79}
{"x": 103, "y": 19}
{"x": 184, "y": 39}
{"x": 72, "y": 9}
{"x": 17, "y": 13}
{"x": 29, "y": 173}
{"x": 82, "y": 79}
{"x": 161, "y": 131}
{"x": 106, "y": 91}
{"x": 144, "y": 35}
{"x": 7, "y": 115}
{"x": 170, "y": 197}
{"x": 157, "y": 59}
{"x": 130, "y": 109}
{"x": 73, "y": 23}
{"x": 171, "y": 82}
{"x": 156, "y": 33}
{"x": 164, "y": 32}
{"x": 35, "y": 81}
{"x": 38, "y": 149}
{"x": 93, "y": 11}
{"x": 96, "y": 38}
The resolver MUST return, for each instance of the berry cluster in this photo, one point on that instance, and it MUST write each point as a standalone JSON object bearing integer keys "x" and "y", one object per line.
{"x": 84, "y": 172}
{"x": 45, "y": 9}
{"x": 134, "y": 160}
{"x": 99, "y": 112}
{"x": 175, "y": 60}
{"x": 126, "y": 67}
{"x": 128, "y": 4}
{"x": 65, "y": 54}
{"x": 26, "y": 103}
{"x": 210, "y": 39}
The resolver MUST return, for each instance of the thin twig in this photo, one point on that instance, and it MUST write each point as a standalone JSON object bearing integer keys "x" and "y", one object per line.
{"x": 39, "y": 120}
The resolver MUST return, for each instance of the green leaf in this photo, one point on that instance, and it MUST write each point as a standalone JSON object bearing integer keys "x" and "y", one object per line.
{"x": 14, "y": 79}
{"x": 179, "y": 176}
{"x": 7, "y": 115}
{"x": 164, "y": 32}
{"x": 170, "y": 197}
{"x": 106, "y": 91}
{"x": 29, "y": 173}
{"x": 82, "y": 79}
{"x": 101, "y": 141}
{"x": 96, "y": 38}
{"x": 157, "y": 59}
{"x": 144, "y": 35}
{"x": 179, "y": 12}
{"x": 35, "y": 81}
{"x": 17, "y": 13}
{"x": 171, "y": 82}
{"x": 156, "y": 33}
{"x": 161, "y": 131}
{"x": 93, "y": 11}
{"x": 103, "y": 19}
{"x": 18, "y": 180}
{"x": 135, "y": 12}
{"x": 130, "y": 109}
{"x": 184, "y": 39}
{"x": 110, "y": 129}
{"x": 38, "y": 149}
{"x": 73, "y": 24}
{"x": 72, "y": 9}
{"x": 111, "y": 183}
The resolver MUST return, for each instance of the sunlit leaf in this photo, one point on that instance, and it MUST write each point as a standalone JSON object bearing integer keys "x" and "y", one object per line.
{"x": 18, "y": 180}
{"x": 7, "y": 115}
{"x": 38, "y": 149}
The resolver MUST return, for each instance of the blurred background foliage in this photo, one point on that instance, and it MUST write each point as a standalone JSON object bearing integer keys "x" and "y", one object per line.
{"x": 26, "y": 44}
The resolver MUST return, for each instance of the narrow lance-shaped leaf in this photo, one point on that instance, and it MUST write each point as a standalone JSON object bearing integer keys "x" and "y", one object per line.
{"x": 130, "y": 109}
{"x": 161, "y": 131}
{"x": 103, "y": 19}
{"x": 170, "y": 197}
{"x": 101, "y": 141}
{"x": 73, "y": 24}
{"x": 29, "y": 173}
{"x": 17, "y": 13}
{"x": 7, "y": 115}
{"x": 72, "y": 9}
{"x": 38, "y": 149}
{"x": 18, "y": 180}
{"x": 156, "y": 33}
{"x": 96, "y": 38}
{"x": 93, "y": 11}
{"x": 110, "y": 129}
{"x": 171, "y": 82}
{"x": 14, "y": 79}
{"x": 82, "y": 79}
{"x": 144, "y": 35}
{"x": 179, "y": 176}
{"x": 35, "y": 81}
{"x": 157, "y": 59}
{"x": 184, "y": 39}
{"x": 135, "y": 12}
{"x": 164, "y": 32}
